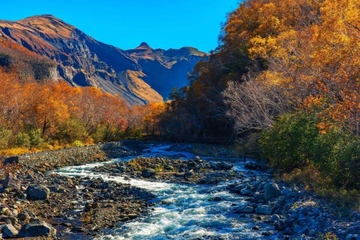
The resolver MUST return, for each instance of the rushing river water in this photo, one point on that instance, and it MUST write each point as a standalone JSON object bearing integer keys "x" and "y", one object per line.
{"x": 183, "y": 211}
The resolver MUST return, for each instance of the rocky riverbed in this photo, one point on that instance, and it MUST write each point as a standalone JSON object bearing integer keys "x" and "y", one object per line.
{"x": 37, "y": 203}
{"x": 292, "y": 213}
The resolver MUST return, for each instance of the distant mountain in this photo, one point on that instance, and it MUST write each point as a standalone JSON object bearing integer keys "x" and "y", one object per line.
{"x": 139, "y": 75}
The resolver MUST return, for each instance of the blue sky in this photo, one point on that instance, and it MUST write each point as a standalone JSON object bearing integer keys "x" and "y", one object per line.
{"x": 126, "y": 23}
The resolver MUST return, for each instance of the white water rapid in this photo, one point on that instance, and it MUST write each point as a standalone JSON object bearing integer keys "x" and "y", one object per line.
{"x": 183, "y": 211}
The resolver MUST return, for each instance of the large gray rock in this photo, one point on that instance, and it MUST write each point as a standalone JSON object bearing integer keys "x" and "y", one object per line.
{"x": 243, "y": 209}
{"x": 37, "y": 192}
{"x": 264, "y": 209}
{"x": 12, "y": 182}
{"x": 272, "y": 191}
{"x": 10, "y": 231}
{"x": 37, "y": 228}
{"x": 148, "y": 172}
{"x": 221, "y": 166}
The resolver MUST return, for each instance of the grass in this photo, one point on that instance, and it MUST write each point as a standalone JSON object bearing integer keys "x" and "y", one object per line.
{"x": 311, "y": 179}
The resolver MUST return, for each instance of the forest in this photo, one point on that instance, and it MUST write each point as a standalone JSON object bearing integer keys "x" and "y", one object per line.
{"x": 284, "y": 80}
{"x": 38, "y": 113}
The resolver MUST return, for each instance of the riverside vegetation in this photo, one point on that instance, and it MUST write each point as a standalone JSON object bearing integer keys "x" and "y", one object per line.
{"x": 284, "y": 81}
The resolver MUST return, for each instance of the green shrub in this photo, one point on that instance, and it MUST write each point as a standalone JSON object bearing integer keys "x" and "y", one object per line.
{"x": 5, "y": 60}
{"x": 340, "y": 158}
{"x": 70, "y": 131}
{"x": 35, "y": 137}
{"x": 288, "y": 143}
{"x": 100, "y": 134}
{"x": 5, "y": 135}
{"x": 295, "y": 142}
{"x": 41, "y": 69}
{"x": 22, "y": 140}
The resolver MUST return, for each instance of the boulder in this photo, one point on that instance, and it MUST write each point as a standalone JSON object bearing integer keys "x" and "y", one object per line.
{"x": 10, "y": 231}
{"x": 37, "y": 228}
{"x": 37, "y": 192}
{"x": 12, "y": 182}
{"x": 243, "y": 209}
{"x": 221, "y": 166}
{"x": 148, "y": 172}
{"x": 11, "y": 160}
{"x": 272, "y": 191}
{"x": 247, "y": 191}
{"x": 264, "y": 209}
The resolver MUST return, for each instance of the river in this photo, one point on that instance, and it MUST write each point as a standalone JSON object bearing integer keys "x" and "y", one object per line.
{"x": 184, "y": 211}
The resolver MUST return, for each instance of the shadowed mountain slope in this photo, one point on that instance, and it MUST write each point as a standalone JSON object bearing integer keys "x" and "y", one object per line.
{"x": 138, "y": 75}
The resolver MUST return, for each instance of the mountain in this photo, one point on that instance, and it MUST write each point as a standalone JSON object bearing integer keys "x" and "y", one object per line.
{"x": 139, "y": 75}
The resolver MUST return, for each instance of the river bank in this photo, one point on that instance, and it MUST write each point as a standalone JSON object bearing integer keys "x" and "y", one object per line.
{"x": 36, "y": 201}
{"x": 273, "y": 209}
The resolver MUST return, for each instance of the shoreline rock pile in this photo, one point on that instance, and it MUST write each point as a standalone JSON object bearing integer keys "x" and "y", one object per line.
{"x": 293, "y": 214}
{"x": 36, "y": 204}
{"x": 196, "y": 171}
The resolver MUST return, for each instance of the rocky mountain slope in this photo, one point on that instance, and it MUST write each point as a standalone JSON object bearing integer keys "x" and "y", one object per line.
{"x": 138, "y": 75}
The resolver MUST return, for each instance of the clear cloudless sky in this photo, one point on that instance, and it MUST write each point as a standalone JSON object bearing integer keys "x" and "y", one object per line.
{"x": 126, "y": 23}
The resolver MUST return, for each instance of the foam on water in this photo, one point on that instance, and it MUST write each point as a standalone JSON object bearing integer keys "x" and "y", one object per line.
{"x": 183, "y": 211}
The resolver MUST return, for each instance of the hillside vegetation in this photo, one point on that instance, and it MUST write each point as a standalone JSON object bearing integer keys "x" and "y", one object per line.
{"x": 39, "y": 113}
{"x": 139, "y": 76}
{"x": 286, "y": 73}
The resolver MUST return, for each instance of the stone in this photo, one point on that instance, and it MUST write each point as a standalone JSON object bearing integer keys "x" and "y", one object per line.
{"x": 11, "y": 160}
{"x": 255, "y": 165}
{"x": 148, "y": 172}
{"x": 37, "y": 192}
{"x": 275, "y": 218}
{"x": 243, "y": 209}
{"x": 10, "y": 219}
{"x": 272, "y": 191}
{"x": 226, "y": 165}
{"x": 286, "y": 191}
{"x": 353, "y": 237}
{"x": 288, "y": 231}
{"x": 10, "y": 231}
{"x": 264, "y": 209}
{"x": 279, "y": 225}
{"x": 188, "y": 174}
{"x": 37, "y": 228}
{"x": 221, "y": 166}
{"x": 252, "y": 165}
{"x": 23, "y": 216}
{"x": 246, "y": 191}
{"x": 6, "y": 211}
{"x": 12, "y": 182}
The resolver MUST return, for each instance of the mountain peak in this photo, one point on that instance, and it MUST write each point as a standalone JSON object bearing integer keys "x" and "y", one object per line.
{"x": 48, "y": 24}
{"x": 143, "y": 45}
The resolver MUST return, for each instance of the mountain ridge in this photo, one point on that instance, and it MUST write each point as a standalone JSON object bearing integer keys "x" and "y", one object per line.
{"x": 139, "y": 75}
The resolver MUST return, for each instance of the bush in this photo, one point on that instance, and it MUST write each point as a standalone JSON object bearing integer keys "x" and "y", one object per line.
{"x": 22, "y": 140}
{"x": 288, "y": 143}
{"x": 296, "y": 142}
{"x": 35, "y": 137}
{"x": 5, "y": 135}
{"x": 70, "y": 131}
{"x": 5, "y": 60}
{"x": 41, "y": 69}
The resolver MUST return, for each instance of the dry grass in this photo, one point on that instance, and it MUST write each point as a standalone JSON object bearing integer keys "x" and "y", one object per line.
{"x": 312, "y": 180}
